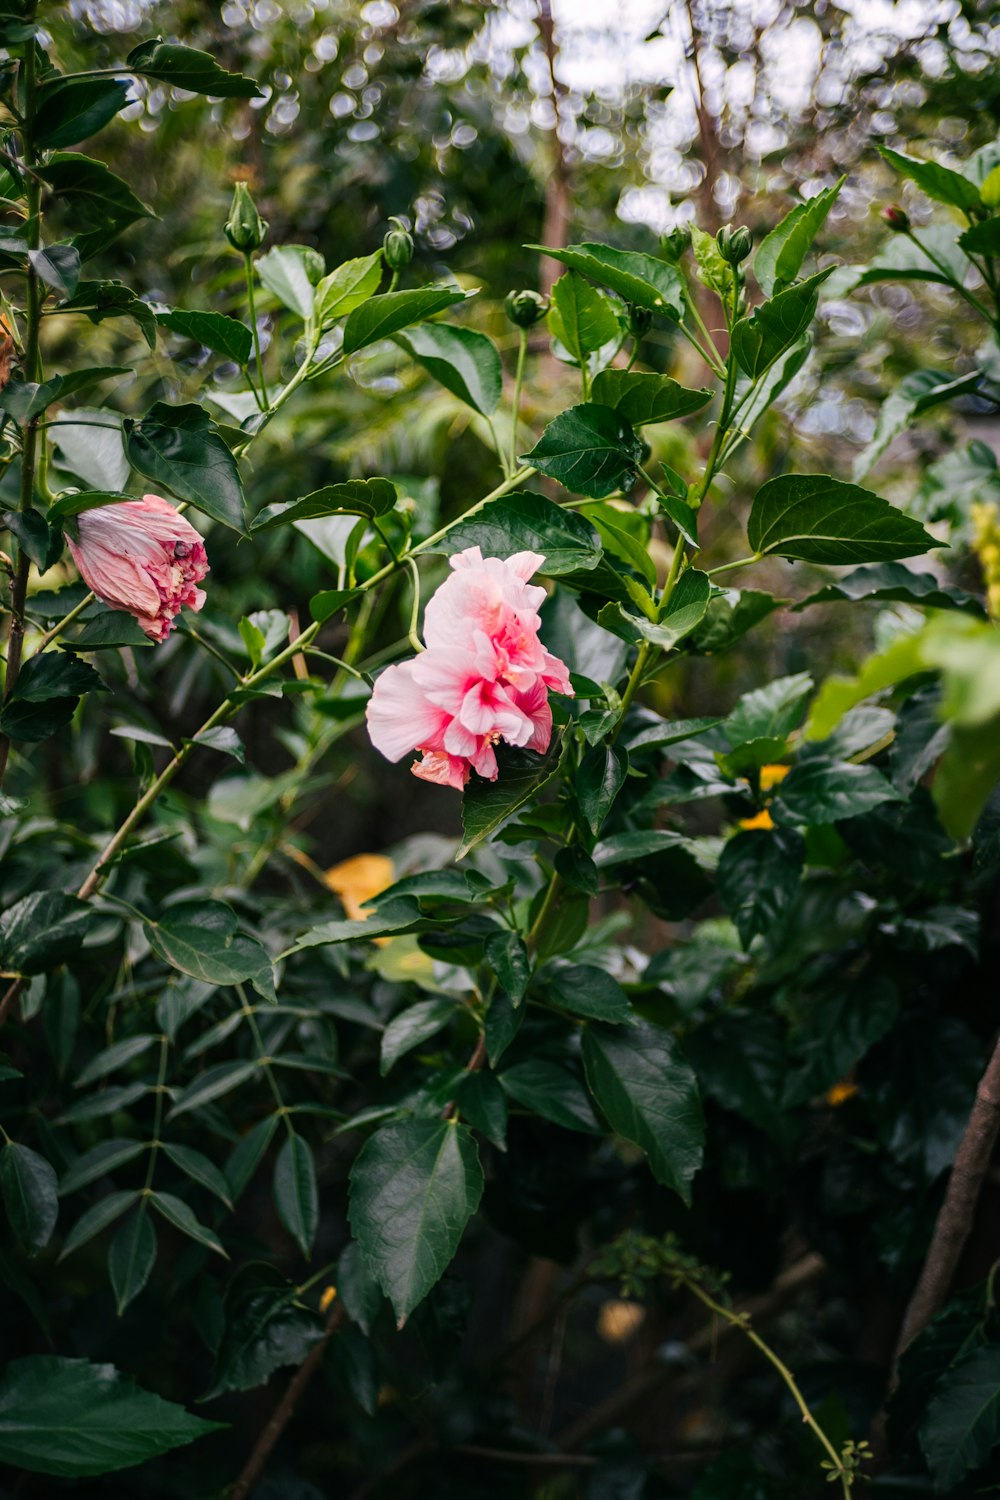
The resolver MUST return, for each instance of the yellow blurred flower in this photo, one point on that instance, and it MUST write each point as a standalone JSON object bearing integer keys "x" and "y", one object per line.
{"x": 762, "y": 819}
{"x": 985, "y": 519}
{"x": 618, "y": 1321}
{"x": 358, "y": 879}
{"x": 771, "y": 775}
{"x": 840, "y": 1093}
{"x": 328, "y": 1297}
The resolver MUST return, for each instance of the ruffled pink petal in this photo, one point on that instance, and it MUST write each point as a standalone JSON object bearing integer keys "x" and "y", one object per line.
{"x": 444, "y": 770}
{"x": 141, "y": 556}
{"x": 400, "y": 715}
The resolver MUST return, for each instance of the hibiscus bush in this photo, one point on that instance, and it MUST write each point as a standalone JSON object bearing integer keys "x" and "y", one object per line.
{"x": 623, "y": 1127}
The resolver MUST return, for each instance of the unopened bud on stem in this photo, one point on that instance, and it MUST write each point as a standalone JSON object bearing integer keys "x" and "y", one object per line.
{"x": 734, "y": 244}
{"x": 397, "y": 247}
{"x": 245, "y": 229}
{"x": 526, "y": 308}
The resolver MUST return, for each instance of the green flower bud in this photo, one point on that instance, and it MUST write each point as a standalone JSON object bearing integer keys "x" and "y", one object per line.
{"x": 245, "y": 229}
{"x": 734, "y": 244}
{"x": 314, "y": 263}
{"x": 397, "y": 247}
{"x": 526, "y": 308}
{"x": 896, "y": 218}
{"x": 675, "y": 244}
{"x": 640, "y": 320}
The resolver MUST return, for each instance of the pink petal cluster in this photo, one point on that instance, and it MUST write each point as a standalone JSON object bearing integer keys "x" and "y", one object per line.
{"x": 143, "y": 557}
{"x": 484, "y": 677}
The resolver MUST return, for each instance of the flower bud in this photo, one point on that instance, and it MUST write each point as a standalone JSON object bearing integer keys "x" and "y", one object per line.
{"x": 896, "y": 218}
{"x": 397, "y": 247}
{"x": 526, "y": 308}
{"x": 314, "y": 264}
{"x": 734, "y": 244}
{"x": 245, "y": 229}
{"x": 675, "y": 244}
{"x": 640, "y": 320}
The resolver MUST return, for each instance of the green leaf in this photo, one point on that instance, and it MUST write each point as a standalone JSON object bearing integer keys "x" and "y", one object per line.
{"x": 96, "y": 1219}
{"x": 582, "y": 320}
{"x": 685, "y": 609}
{"x": 669, "y": 733}
{"x": 824, "y": 520}
{"x": 73, "y": 1419}
{"x": 400, "y": 915}
{"x": 631, "y": 548}
{"x": 507, "y": 956}
{"x": 198, "y": 1167}
{"x": 202, "y": 938}
{"x": 108, "y": 629}
{"x": 329, "y": 602}
{"x": 414, "y": 1187}
{"x": 41, "y": 931}
{"x": 638, "y": 278}
{"x": 265, "y": 1329}
{"x": 131, "y": 1258}
{"x": 413, "y": 1026}
{"x": 729, "y": 616}
{"x": 893, "y": 581}
{"x": 69, "y": 110}
{"x": 527, "y": 522}
{"x": 179, "y": 447}
{"x": 353, "y": 497}
{"x": 776, "y": 325}
{"x": 642, "y": 398}
{"x": 58, "y": 266}
{"x": 646, "y": 1089}
{"x": 487, "y": 804}
{"x": 961, "y": 1426}
{"x": 769, "y": 713}
{"x": 822, "y": 791}
{"x": 551, "y": 1090}
{"x": 917, "y": 392}
{"x": 711, "y": 269}
{"x": 380, "y": 317}
{"x": 599, "y": 780}
{"x": 46, "y": 695}
{"x": 188, "y": 68}
{"x": 982, "y": 238}
{"x": 465, "y": 362}
{"x": 585, "y": 990}
{"x": 177, "y": 1213}
{"x": 30, "y": 1195}
{"x": 224, "y": 335}
{"x": 90, "y": 441}
{"x": 758, "y": 877}
{"x": 779, "y": 256}
{"x": 118, "y": 1055}
{"x": 247, "y": 1156}
{"x": 99, "y": 300}
{"x": 284, "y": 271}
{"x": 939, "y": 183}
{"x": 295, "y": 1194}
{"x": 590, "y": 449}
{"x": 98, "y": 204}
{"x": 98, "y": 1162}
{"x": 347, "y": 287}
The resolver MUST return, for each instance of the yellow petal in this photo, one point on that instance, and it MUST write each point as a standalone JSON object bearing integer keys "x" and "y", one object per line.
{"x": 771, "y": 775}
{"x": 329, "y": 1293}
{"x": 760, "y": 820}
{"x": 358, "y": 879}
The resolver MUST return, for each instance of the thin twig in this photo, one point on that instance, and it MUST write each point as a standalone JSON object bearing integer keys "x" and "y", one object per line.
{"x": 285, "y": 1408}
{"x": 957, "y": 1212}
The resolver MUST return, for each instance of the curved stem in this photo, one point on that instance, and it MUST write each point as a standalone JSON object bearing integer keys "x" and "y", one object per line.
{"x": 252, "y": 310}
{"x": 522, "y": 350}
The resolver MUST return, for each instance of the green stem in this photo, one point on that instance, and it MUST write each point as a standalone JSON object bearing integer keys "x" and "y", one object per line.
{"x": 742, "y": 562}
{"x": 252, "y": 310}
{"x": 500, "y": 452}
{"x": 413, "y": 633}
{"x": 29, "y": 441}
{"x": 710, "y": 355}
{"x": 522, "y": 350}
{"x": 157, "y": 1118}
{"x": 741, "y": 1321}
{"x": 263, "y": 1060}
{"x": 951, "y": 278}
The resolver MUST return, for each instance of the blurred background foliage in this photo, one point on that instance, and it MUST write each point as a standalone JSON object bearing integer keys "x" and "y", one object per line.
{"x": 487, "y": 127}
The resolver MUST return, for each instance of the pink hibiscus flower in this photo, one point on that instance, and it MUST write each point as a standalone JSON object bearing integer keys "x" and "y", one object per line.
{"x": 484, "y": 677}
{"x": 141, "y": 556}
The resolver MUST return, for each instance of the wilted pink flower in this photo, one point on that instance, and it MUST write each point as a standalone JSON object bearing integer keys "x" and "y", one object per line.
{"x": 484, "y": 677}
{"x": 143, "y": 557}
